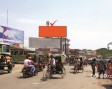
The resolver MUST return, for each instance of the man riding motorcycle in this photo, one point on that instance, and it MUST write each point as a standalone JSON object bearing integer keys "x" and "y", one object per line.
{"x": 28, "y": 63}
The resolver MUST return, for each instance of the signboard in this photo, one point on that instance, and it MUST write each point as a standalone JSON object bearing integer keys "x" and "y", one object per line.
{"x": 54, "y": 50}
{"x": 1, "y": 34}
{"x": 52, "y": 31}
{"x": 43, "y": 49}
{"x": 11, "y": 35}
{"x": 44, "y": 42}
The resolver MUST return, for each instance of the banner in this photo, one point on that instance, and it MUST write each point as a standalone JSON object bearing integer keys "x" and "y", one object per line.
{"x": 11, "y": 35}
{"x": 52, "y": 31}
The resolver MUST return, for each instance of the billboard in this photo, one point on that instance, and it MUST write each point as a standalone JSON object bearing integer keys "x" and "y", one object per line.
{"x": 11, "y": 35}
{"x": 44, "y": 42}
{"x": 1, "y": 34}
{"x": 52, "y": 31}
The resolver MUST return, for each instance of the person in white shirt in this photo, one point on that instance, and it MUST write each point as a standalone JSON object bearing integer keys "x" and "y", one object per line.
{"x": 29, "y": 63}
{"x": 52, "y": 61}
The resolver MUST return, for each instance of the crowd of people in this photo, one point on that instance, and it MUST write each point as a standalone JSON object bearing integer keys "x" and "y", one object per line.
{"x": 103, "y": 67}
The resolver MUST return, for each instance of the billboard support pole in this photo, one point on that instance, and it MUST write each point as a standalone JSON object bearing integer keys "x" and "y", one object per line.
{"x": 65, "y": 46}
{"x": 61, "y": 44}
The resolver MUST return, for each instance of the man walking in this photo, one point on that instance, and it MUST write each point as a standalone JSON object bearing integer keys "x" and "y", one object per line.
{"x": 93, "y": 65}
{"x": 101, "y": 68}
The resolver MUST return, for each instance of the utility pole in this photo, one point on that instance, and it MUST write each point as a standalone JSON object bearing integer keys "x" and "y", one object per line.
{"x": 65, "y": 46}
{"x": 7, "y": 18}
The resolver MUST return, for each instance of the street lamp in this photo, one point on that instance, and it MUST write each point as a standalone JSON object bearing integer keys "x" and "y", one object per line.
{"x": 109, "y": 45}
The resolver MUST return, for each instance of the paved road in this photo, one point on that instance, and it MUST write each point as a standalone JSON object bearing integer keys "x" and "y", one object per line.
{"x": 84, "y": 80}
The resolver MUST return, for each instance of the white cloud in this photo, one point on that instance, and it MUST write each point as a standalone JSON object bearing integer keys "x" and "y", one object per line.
{"x": 2, "y": 16}
{"x": 92, "y": 39}
{"x": 29, "y": 21}
{"x": 26, "y": 43}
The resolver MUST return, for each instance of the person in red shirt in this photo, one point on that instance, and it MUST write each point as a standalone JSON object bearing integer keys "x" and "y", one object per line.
{"x": 110, "y": 69}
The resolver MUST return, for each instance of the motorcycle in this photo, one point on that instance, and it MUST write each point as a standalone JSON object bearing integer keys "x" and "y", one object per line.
{"x": 40, "y": 66}
{"x": 27, "y": 72}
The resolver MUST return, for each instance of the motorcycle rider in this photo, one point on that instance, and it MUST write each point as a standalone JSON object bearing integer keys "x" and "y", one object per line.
{"x": 28, "y": 63}
{"x": 2, "y": 59}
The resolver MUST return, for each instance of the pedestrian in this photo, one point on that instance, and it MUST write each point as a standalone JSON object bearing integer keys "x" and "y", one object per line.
{"x": 85, "y": 62}
{"x": 110, "y": 70}
{"x": 93, "y": 65}
{"x": 81, "y": 63}
{"x": 101, "y": 68}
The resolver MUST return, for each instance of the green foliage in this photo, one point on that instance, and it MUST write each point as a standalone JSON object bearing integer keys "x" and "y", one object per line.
{"x": 104, "y": 52}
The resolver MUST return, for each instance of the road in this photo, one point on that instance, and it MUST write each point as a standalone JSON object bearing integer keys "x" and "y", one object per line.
{"x": 83, "y": 80}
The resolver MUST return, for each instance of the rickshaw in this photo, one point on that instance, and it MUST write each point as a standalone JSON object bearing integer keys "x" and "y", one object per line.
{"x": 78, "y": 65}
{"x": 6, "y": 62}
{"x": 81, "y": 68}
{"x": 38, "y": 60}
{"x": 71, "y": 60}
{"x": 59, "y": 67}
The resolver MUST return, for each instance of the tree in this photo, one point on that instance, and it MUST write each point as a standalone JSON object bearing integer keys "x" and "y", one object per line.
{"x": 104, "y": 52}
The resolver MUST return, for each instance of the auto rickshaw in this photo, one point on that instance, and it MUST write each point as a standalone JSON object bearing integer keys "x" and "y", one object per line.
{"x": 59, "y": 67}
{"x": 6, "y": 62}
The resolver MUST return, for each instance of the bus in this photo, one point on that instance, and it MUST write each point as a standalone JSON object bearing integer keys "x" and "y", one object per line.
{"x": 5, "y": 48}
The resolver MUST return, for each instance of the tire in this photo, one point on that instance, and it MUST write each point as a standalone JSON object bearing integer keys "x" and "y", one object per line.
{"x": 24, "y": 74}
{"x": 9, "y": 71}
{"x": 75, "y": 69}
{"x": 82, "y": 69}
{"x": 36, "y": 72}
{"x": 64, "y": 73}
{"x": 45, "y": 76}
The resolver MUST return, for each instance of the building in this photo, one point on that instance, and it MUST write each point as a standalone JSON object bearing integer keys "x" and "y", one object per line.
{"x": 83, "y": 53}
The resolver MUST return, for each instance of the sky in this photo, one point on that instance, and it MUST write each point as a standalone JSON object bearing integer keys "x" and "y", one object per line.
{"x": 89, "y": 22}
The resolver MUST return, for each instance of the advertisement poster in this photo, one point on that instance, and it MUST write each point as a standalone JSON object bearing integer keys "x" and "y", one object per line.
{"x": 11, "y": 35}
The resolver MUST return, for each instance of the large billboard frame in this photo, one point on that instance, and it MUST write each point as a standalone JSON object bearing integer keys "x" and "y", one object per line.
{"x": 52, "y": 31}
